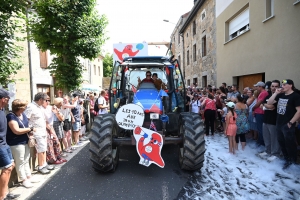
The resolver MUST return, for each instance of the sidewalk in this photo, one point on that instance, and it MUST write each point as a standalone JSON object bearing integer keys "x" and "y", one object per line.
{"x": 27, "y": 192}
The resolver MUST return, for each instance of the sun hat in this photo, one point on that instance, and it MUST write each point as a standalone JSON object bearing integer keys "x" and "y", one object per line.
{"x": 230, "y": 104}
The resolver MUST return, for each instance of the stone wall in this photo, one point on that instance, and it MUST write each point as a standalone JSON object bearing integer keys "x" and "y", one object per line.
{"x": 203, "y": 65}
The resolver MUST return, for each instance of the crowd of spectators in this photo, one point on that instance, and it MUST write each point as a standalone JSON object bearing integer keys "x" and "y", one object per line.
{"x": 57, "y": 128}
{"x": 268, "y": 113}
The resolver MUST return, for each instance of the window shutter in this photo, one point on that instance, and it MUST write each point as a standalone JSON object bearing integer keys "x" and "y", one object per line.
{"x": 43, "y": 59}
{"x": 239, "y": 21}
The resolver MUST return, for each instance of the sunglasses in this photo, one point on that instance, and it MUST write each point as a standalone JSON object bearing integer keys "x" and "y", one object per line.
{"x": 48, "y": 100}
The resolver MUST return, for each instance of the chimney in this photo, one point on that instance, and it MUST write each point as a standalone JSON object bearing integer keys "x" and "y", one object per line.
{"x": 195, "y": 1}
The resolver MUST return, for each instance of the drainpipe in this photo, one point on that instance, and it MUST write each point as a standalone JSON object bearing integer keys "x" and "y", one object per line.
{"x": 183, "y": 55}
{"x": 29, "y": 61}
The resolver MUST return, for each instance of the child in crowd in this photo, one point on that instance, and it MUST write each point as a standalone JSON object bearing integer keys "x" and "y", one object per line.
{"x": 231, "y": 127}
{"x": 223, "y": 113}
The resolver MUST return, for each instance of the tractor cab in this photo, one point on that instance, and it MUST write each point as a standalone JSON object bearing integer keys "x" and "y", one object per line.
{"x": 125, "y": 88}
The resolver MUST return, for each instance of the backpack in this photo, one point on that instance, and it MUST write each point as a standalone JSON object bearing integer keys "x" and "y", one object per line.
{"x": 96, "y": 108}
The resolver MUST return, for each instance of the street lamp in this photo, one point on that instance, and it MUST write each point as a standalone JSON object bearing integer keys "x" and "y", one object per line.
{"x": 165, "y": 20}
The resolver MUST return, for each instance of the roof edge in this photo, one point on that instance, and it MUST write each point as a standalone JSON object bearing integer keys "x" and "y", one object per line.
{"x": 192, "y": 14}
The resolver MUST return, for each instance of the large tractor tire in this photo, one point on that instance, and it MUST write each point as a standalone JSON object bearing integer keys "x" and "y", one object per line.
{"x": 104, "y": 155}
{"x": 191, "y": 152}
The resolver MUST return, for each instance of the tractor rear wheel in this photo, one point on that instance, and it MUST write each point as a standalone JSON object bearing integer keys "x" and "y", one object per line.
{"x": 191, "y": 152}
{"x": 104, "y": 155}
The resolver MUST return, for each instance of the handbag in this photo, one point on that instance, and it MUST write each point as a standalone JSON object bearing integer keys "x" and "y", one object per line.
{"x": 31, "y": 141}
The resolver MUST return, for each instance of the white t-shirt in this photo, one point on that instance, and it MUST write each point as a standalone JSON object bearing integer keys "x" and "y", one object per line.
{"x": 49, "y": 115}
{"x": 102, "y": 101}
{"x": 225, "y": 111}
{"x": 195, "y": 106}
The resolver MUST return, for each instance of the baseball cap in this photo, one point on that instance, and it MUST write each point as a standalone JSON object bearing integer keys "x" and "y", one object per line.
{"x": 260, "y": 84}
{"x": 80, "y": 100}
{"x": 4, "y": 93}
{"x": 288, "y": 81}
{"x": 74, "y": 94}
{"x": 230, "y": 104}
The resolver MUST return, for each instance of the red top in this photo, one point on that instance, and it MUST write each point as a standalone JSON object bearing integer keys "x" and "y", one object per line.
{"x": 210, "y": 104}
{"x": 145, "y": 80}
{"x": 261, "y": 97}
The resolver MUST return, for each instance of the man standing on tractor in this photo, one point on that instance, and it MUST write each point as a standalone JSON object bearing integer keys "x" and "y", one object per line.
{"x": 158, "y": 82}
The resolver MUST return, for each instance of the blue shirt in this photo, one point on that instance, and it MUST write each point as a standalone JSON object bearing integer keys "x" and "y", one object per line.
{"x": 3, "y": 128}
{"x": 13, "y": 139}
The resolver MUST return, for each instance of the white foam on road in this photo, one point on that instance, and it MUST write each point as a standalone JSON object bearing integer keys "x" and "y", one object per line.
{"x": 241, "y": 176}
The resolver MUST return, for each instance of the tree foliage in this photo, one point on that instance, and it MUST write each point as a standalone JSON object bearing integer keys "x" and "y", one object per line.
{"x": 12, "y": 24}
{"x": 69, "y": 29}
{"x": 107, "y": 65}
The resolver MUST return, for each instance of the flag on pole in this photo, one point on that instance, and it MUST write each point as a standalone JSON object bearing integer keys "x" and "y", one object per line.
{"x": 152, "y": 126}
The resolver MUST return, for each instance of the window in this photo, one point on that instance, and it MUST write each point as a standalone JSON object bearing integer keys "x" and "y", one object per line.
{"x": 194, "y": 53}
{"x": 95, "y": 72}
{"x": 174, "y": 40}
{"x": 269, "y": 8}
{"x": 239, "y": 24}
{"x": 187, "y": 34}
{"x": 99, "y": 72}
{"x": 195, "y": 82}
{"x": 179, "y": 60}
{"x": 188, "y": 57}
{"x": 189, "y": 82}
{"x": 43, "y": 59}
{"x": 203, "y": 14}
{"x": 204, "y": 46}
{"x": 178, "y": 38}
{"x": 194, "y": 28}
{"x": 204, "y": 81}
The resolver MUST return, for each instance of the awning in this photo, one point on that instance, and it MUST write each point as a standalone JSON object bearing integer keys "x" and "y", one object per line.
{"x": 92, "y": 88}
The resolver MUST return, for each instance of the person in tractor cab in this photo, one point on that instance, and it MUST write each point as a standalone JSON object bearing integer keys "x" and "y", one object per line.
{"x": 148, "y": 79}
{"x": 158, "y": 82}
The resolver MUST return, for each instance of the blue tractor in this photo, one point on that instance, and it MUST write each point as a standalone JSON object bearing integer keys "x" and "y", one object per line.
{"x": 163, "y": 102}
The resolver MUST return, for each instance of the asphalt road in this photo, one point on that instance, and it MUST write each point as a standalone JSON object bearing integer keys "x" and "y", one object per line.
{"x": 77, "y": 180}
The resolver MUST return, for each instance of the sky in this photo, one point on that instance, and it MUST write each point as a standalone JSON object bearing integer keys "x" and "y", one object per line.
{"x": 242, "y": 176}
{"x": 135, "y": 21}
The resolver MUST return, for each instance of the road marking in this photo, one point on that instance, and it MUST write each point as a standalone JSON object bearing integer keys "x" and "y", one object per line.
{"x": 165, "y": 191}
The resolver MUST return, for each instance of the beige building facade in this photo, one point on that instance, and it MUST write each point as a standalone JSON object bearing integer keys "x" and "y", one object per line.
{"x": 257, "y": 41}
{"x": 198, "y": 41}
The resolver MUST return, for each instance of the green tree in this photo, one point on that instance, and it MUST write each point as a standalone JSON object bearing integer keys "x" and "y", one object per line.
{"x": 12, "y": 20}
{"x": 69, "y": 29}
{"x": 107, "y": 65}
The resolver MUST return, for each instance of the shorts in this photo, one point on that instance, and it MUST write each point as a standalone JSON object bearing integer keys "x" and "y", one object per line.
{"x": 58, "y": 128}
{"x": 240, "y": 137}
{"x": 67, "y": 125}
{"x": 223, "y": 119}
{"x": 6, "y": 158}
{"x": 41, "y": 143}
{"x": 76, "y": 126}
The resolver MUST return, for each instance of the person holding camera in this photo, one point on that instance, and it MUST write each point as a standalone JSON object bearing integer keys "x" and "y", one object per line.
{"x": 17, "y": 139}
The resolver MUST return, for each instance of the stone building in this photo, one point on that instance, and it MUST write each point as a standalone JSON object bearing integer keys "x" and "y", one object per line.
{"x": 176, "y": 41}
{"x": 197, "y": 38}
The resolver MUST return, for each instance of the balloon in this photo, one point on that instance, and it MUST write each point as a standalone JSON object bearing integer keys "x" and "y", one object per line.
{"x": 139, "y": 46}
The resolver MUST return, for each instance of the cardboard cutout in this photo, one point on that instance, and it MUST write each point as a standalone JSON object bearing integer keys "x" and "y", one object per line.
{"x": 129, "y": 116}
{"x": 148, "y": 145}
